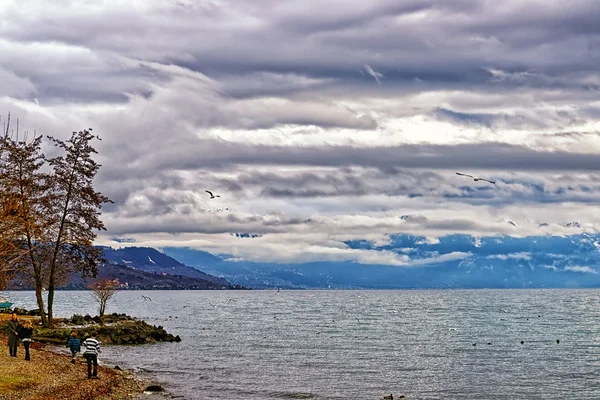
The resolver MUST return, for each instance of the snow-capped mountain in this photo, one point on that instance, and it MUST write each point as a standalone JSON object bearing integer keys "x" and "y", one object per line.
{"x": 493, "y": 262}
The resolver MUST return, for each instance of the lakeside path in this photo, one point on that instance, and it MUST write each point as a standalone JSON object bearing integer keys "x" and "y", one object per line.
{"x": 51, "y": 376}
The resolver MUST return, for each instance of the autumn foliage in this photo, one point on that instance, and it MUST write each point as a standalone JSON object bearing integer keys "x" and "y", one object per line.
{"x": 49, "y": 212}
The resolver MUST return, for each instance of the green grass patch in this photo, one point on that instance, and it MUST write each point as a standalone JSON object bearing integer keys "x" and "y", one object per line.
{"x": 16, "y": 382}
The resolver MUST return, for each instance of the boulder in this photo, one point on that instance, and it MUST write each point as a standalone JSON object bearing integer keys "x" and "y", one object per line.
{"x": 77, "y": 320}
{"x": 154, "y": 388}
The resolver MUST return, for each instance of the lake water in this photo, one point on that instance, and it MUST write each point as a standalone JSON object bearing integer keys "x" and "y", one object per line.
{"x": 362, "y": 344}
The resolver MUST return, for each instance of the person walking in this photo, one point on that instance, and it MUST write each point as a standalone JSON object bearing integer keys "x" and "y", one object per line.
{"x": 74, "y": 344}
{"x": 25, "y": 334}
{"x": 13, "y": 335}
{"x": 92, "y": 349}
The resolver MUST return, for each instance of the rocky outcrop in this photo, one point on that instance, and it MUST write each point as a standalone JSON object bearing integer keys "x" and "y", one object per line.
{"x": 22, "y": 311}
{"x": 111, "y": 329}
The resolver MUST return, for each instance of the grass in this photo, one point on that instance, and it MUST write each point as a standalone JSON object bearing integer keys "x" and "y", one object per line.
{"x": 13, "y": 382}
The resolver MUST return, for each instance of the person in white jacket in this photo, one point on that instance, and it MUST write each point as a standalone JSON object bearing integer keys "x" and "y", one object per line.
{"x": 92, "y": 349}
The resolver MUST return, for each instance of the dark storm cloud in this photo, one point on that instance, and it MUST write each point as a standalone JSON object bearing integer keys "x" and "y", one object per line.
{"x": 443, "y": 42}
{"x": 218, "y": 154}
{"x": 341, "y": 182}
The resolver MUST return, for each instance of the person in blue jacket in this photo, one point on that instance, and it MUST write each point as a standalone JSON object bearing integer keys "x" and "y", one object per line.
{"x": 74, "y": 344}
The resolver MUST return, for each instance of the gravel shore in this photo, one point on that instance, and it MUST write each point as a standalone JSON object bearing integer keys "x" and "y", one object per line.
{"x": 51, "y": 376}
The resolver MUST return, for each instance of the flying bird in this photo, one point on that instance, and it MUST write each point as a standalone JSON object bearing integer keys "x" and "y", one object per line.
{"x": 476, "y": 178}
{"x": 212, "y": 196}
{"x": 146, "y": 298}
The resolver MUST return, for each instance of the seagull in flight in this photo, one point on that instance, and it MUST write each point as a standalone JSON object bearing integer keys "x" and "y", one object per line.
{"x": 146, "y": 298}
{"x": 476, "y": 178}
{"x": 212, "y": 196}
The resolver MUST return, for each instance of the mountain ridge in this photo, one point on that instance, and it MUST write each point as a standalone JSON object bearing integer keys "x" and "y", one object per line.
{"x": 140, "y": 268}
{"x": 481, "y": 262}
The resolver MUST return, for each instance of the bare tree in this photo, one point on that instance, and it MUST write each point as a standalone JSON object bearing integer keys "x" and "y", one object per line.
{"x": 103, "y": 290}
{"x": 77, "y": 206}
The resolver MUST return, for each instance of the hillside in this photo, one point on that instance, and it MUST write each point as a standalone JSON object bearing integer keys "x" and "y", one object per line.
{"x": 142, "y": 268}
{"x": 151, "y": 260}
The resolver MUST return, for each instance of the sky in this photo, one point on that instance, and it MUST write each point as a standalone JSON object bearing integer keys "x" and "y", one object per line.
{"x": 318, "y": 122}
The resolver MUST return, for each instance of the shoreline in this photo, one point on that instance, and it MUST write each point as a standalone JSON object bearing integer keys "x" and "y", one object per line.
{"x": 51, "y": 376}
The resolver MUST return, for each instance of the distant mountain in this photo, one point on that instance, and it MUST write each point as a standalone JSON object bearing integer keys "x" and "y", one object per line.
{"x": 482, "y": 262}
{"x": 142, "y": 268}
{"x": 151, "y": 260}
{"x": 130, "y": 278}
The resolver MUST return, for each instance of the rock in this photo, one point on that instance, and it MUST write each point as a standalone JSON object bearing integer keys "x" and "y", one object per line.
{"x": 154, "y": 388}
{"x": 77, "y": 320}
{"x": 123, "y": 330}
{"x": 118, "y": 368}
{"x": 23, "y": 311}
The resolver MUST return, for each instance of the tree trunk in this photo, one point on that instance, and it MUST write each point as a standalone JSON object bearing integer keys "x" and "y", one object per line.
{"x": 51, "y": 284}
{"x": 50, "y": 302}
{"x": 40, "y": 299}
{"x": 102, "y": 307}
{"x": 37, "y": 281}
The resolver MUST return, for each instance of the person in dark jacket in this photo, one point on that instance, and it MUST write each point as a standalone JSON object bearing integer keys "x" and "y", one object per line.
{"x": 74, "y": 344}
{"x": 13, "y": 335}
{"x": 25, "y": 335}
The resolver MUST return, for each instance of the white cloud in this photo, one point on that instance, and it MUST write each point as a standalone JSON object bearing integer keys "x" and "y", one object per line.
{"x": 512, "y": 256}
{"x": 376, "y": 75}
{"x": 583, "y": 269}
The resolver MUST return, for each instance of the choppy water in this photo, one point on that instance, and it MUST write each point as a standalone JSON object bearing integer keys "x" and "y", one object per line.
{"x": 363, "y": 344}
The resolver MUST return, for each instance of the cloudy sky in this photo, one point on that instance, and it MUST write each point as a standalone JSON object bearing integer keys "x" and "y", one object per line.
{"x": 318, "y": 121}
